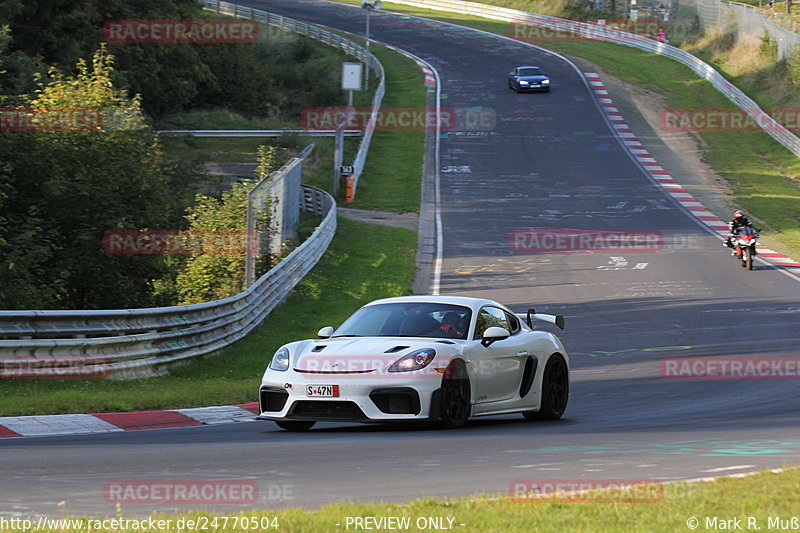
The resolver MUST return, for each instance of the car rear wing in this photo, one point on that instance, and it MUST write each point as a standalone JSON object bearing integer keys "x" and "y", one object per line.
{"x": 558, "y": 320}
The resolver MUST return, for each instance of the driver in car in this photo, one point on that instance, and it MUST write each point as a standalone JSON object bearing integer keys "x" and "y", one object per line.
{"x": 452, "y": 326}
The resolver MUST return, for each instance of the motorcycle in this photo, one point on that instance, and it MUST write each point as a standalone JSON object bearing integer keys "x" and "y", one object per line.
{"x": 744, "y": 246}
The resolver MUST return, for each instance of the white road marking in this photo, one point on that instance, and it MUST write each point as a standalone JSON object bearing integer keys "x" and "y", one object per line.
{"x": 535, "y": 466}
{"x": 726, "y": 468}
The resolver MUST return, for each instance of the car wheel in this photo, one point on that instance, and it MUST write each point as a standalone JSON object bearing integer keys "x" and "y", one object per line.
{"x": 455, "y": 406}
{"x": 295, "y": 425}
{"x": 555, "y": 390}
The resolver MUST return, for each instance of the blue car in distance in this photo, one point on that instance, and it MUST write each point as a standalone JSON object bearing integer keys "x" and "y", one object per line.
{"x": 528, "y": 79}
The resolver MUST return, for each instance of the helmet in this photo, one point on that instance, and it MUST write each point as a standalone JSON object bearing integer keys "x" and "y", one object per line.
{"x": 738, "y": 213}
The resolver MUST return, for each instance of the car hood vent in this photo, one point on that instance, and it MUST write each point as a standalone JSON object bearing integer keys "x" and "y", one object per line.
{"x": 319, "y": 348}
{"x": 397, "y": 349}
{"x": 445, "y": 342}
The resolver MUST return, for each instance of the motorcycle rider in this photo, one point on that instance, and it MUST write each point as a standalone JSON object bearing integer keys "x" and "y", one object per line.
{"x": 734, "y": 226}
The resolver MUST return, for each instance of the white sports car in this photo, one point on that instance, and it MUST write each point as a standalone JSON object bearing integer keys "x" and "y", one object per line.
{"x": 419, "y": 358}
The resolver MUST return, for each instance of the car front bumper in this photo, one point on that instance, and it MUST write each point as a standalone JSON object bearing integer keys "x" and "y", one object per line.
{"x": 283, "y": 396}
{"x": 533, "y": 88}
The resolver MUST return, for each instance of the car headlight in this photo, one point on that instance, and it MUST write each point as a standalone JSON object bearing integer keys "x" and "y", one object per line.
{"x": 545, "y": 82}
{"x": 416, "y": 360}
{"x": 280, "y": 361}
{"x": 523, "y": 82}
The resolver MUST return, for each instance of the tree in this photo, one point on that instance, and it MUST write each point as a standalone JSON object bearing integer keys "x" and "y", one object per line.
{"x": 85, "y": 178}
{"x": 25, "y": 242}
{"x": 216, "y": 273}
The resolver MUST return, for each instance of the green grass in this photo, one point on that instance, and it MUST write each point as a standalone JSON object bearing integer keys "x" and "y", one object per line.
{"x": 391, "y": 178}
{"x": 756, "y": 496}
{"x": 363, "y": 263}
{"x": 763, "y": 175}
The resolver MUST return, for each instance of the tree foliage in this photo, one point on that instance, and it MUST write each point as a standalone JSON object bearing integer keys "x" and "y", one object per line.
{"x": 67, "y": 188}
{"x": 61, "y": 190}
{"x": 212, "y": 276}
{"x": 267, "y": 158}
{"x": 278, "y": 75}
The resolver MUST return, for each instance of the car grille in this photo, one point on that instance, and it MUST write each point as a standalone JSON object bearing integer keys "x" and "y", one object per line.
{"x": 396, "y": 401}
{"x": 304, "y": 371}
{"x": 329, "y": 410}
{"x": 272, "y": 399}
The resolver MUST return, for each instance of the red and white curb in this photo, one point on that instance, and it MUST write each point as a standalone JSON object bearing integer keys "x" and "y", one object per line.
{"x": 50, "y": 425}
{"x": 430, "y": 79}
{"x": 672, "y": 187}
{"x": 427, "y": 71}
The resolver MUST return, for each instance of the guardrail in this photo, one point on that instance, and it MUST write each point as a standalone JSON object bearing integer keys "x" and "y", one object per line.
{"x": 130, "y": 343}
{"x": 591, "y": 31}
{"x": 329, "y": 38}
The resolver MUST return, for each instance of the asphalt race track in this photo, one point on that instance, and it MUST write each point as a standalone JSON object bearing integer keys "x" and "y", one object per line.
{"x": 535, "y": 160}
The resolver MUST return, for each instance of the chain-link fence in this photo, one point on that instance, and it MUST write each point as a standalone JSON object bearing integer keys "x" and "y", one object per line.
{"x": 276, "y": 198}
{"x": 747, "y": 22}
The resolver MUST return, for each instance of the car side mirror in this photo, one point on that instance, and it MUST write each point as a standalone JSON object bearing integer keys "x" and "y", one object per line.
{"x": 494, "y": 334}
{"x": 325, "y": 332}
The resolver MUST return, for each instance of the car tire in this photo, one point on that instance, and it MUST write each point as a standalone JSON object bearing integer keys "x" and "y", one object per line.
{"x": 555, "y": 390}
{"x": 295, "y": 425}
{"x": 455, "y": 396}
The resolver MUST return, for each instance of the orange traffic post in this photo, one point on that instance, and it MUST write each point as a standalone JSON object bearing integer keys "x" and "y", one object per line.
{"x": 349, "y": 189}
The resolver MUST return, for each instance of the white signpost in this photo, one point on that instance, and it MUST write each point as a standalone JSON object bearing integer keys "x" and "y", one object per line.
{"x": 351, "y": 78}
{"x": 351, "y": 81}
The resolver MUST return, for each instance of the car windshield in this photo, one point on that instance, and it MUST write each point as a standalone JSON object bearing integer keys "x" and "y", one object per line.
{"x": 412, "y": 319}
{"x": 530, "y": 71}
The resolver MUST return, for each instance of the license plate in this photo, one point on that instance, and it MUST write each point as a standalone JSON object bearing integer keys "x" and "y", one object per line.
{"x": 323, "y": 391}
